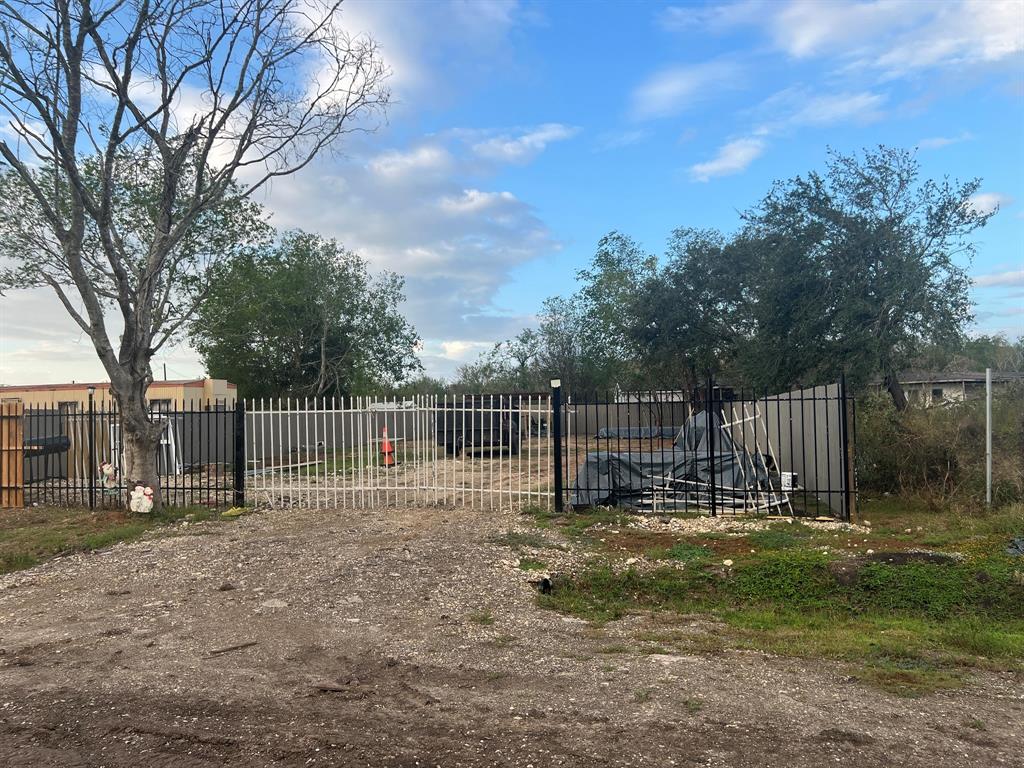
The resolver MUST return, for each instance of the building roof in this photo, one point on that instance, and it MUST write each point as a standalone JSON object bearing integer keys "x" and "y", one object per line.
{"x": 952, "y": 377}
{"x": 78, "y": 385}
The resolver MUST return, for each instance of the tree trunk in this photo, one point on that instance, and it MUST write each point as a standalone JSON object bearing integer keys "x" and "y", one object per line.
{"x": 141, "y": 440}
{"x": 895, "y": 390}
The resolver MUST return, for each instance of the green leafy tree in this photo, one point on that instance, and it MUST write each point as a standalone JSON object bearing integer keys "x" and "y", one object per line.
{"x": 686, "y": 318}
{"x": 879, "y": 258}
{"x": 304, "y": 318}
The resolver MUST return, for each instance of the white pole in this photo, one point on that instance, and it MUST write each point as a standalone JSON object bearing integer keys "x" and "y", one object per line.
{"x": 988, "y": 437}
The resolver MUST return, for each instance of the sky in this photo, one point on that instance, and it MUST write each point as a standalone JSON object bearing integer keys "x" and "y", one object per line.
{"x": 522, "y": 132}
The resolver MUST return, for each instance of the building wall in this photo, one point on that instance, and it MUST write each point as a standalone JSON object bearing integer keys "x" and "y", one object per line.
{"x": 198, "y": 393}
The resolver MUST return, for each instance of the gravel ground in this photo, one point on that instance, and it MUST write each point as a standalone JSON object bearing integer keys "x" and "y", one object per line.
{"x": 407, "y": 638}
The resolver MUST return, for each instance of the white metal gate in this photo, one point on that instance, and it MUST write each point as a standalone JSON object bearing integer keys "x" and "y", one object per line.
{"x": 481, "y": 451}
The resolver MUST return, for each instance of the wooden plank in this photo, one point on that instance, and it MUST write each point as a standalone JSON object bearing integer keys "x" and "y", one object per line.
{"x": 12, "y": 455}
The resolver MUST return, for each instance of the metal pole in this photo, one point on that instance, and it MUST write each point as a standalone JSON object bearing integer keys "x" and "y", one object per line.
{"x": 847, "y": 482}
{"x": 710, "y": 413}
{"x": 988, "y": 437}
{"x": 556, "y": 417}
{"x": 240, "y": 453}
{"x": 90, "y": 475}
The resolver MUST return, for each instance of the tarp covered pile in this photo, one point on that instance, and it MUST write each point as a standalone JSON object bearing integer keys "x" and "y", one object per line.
{"x": 681, "y": 474}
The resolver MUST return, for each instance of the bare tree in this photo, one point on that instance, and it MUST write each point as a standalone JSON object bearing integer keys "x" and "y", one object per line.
{"x": 209, "y": 100}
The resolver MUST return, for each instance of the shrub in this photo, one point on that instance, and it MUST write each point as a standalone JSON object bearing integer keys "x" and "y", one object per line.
{"x": 939, "y": 453}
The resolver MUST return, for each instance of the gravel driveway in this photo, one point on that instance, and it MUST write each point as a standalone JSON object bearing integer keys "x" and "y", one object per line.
{"x": 407, "y": 638}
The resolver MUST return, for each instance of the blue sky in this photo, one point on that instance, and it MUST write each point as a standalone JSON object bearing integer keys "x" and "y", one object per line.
{"x": 522, "y": 132}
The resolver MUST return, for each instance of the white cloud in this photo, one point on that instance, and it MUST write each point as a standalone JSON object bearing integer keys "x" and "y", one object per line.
{"x": 731, "y": 158}
{"x": 1013, "y": 277}
{"x": 808, "y": 28}
{"x": 675, "y": 89}
{"x": 716, "y": 17}
{"x": 798, "y": 107}
{"x": 524, "y": 147}
{"x": 893, "y": 37}
{"x": 473, "y": 201}
{"x": 424, "y": 159}
{"x": 987, "y": 202}
{"x": 424, "y": 43}
{"x": 607, "y": 142}
{"x": 454, "y": 240}
{"x": 938, "y": 142}
{"x": 463, "y": 351}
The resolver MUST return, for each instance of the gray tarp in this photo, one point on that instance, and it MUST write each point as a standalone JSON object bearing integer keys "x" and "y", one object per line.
{"x": 607, "y": 477}
{"x": 633, "y": 433}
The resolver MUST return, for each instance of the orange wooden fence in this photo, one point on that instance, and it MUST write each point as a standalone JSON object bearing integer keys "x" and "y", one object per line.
{"x": 12, "y": 455}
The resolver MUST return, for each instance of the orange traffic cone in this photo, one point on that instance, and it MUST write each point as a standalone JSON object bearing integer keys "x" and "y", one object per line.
{"x": 386, "y": 450}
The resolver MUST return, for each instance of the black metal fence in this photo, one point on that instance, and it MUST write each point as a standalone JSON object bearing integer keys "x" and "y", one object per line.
{"x": 715, "y": 450}
{"x": 75, "y": 457}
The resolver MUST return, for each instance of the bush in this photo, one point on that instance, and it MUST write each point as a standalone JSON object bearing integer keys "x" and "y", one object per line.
{"x": 939, "y": 453}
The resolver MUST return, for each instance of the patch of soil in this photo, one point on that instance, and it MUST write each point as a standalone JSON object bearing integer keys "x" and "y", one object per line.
{"x": 847, "y": 571}
{"x": 356, "y": 638}
{"x": 910, "y": 556}
{"x": 637, "y": 541}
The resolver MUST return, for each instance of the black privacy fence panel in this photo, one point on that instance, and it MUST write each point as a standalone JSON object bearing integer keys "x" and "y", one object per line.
{"x": 714, "y": 450}
{"x": 76, "y": 457}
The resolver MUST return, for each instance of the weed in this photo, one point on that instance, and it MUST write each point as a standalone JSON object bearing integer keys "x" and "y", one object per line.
{"x": 483, "y": 618}
{"x": 779, "y": 536}
{"x": 614, "y": 648}
{"x": 520, "y": 541}
{"x": 693, "y": 706}
{"x": 683, "y": 552}
{"x": 529, "y": 564}
{"x": 643, "y": 695}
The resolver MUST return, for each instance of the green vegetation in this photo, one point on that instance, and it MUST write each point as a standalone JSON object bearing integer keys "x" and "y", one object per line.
{"x": 530, "y": 564}
{"x": 520, "y": 541}
{"x": 483, "y": 618}
{"x": 683, "y": 552}
{"x": 937, "y": 454}
{"x": 30, "y": 536}
{"x": 780, "y": 536}
{"x": 909, "y": 626}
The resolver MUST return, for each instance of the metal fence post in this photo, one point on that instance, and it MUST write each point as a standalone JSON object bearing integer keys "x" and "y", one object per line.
{"x": 710, "y": 411}
{"x": 988, "y": 437}
{"x": 239, "y": 454}
{"x": 556, "y": 417}
{"x": 849, "y": 478}
{"x": 89, "y": 474}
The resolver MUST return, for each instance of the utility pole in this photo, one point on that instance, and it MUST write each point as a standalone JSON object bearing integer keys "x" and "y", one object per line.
{"x": 988, "y": 437}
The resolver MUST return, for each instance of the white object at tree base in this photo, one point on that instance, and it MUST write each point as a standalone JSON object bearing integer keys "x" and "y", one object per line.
{"x": 141, "y": 500}
{"x": 988, "y": 437}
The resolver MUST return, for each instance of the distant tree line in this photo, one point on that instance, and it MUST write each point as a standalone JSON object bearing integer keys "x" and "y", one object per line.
{"x": 858, "y": 270}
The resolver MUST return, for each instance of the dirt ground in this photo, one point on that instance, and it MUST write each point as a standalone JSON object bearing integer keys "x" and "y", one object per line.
{"x": 406, "y": 638}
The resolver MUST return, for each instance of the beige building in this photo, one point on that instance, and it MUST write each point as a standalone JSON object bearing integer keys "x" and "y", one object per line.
{"x": 931, "y": 388}
{"x": 74, "y": 397}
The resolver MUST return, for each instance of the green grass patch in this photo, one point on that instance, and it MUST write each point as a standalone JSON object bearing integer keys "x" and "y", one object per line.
{"x": 519, "y": 541}
{"x": 780, "y": 536}
{"x": 33, "y": 535}
{"x": 908, "y": 629}
{"x": 483, "y": 618}
{"x": 682, "y": 552}
{"x": 529, "y": 564}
